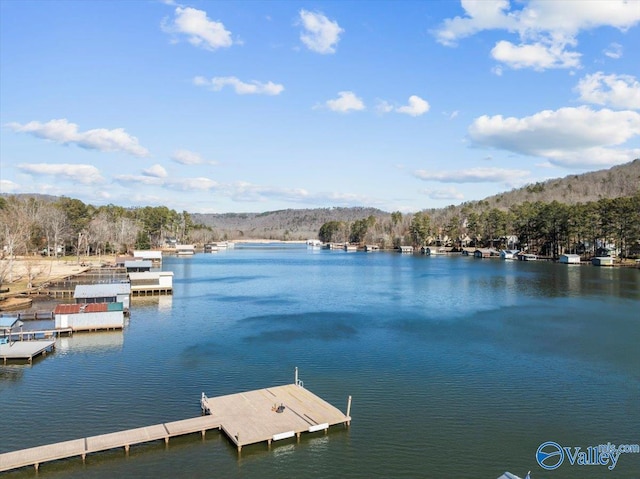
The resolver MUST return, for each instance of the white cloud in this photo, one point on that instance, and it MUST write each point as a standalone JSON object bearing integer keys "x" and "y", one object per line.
{"x": 566, "y": 136}
{"x": 416, "y": 107}
{"x": 242, "y": 191}
{"x": 614, "y": 51}
{"x": 320, "y": 34}
{"x": 139, "y": 180}
{"x": 7, "y": 186}
{"x": 449, "y": 193}
{"x": 480, "y": 15}
{"x": 383, "y": 106}
{"x": 474, "y": 175}
{"x": 186, "y": 157}
{"x": 593, "y": 157}
{"x": 346, "y": 101}
{"x": 85, "y": 174}
{"x": 61, "y": 131}
{"x": 187, "y": 184}
{"x": 199, "y": 29}
{"x": 180, "y": 184}
{"x": 546, "y": 29}
{"x": 617, "y": 91}
{"x": 538, "y": 56}
{"x": 156, "y": 171}
{"x": 240, "y": 87}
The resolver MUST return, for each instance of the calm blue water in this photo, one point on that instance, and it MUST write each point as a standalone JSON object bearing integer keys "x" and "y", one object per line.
{"x": 458, "y": 367}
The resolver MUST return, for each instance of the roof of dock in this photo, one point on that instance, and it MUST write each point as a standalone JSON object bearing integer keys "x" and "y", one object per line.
{"x": 106, "y": 290}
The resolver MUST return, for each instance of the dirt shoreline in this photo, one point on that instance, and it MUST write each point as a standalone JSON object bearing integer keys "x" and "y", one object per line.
{"x": 43, "y": 270}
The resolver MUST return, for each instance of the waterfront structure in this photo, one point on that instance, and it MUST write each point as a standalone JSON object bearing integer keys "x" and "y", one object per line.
{"x": 371, "y": 247}
{"x": 406, "y": 249}
{"x": 150, "y": 255}
{"x": 185, "y": 249}
{"x": 103, "y": 293}
{"x": 602, "y": 261}
{"x": 509, "y": 254}
{"x": 433, "y": 250}
{"x": 250, "y": 417}
{"x": 151, "y": 283}
{"x": 569, "y": 258}
{"x": 24, "y": 350}
{"x": 485, "y": 253}
{"x": 138, "y": 265}
{"x": 89, "y": 317}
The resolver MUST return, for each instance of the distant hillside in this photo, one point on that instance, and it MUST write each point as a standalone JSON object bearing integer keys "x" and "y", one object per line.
{"x": 300, "y": 224}
{"x": 283, "y": 224}
{"x": 622, "y": 180}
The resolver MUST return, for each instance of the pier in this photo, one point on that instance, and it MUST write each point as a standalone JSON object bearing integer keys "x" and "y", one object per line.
{"x": 25, "y": 350}
{"x": 263, "y": 415}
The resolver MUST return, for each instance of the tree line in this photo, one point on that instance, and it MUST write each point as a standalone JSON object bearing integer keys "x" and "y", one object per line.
{"x": 545, "y": 228}
{"x": 29, "y": 225}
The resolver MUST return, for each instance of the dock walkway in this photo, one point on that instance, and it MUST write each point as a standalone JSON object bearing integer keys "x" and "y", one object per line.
{"x": 263, "y": 415}
{"x": 25, "y": 349}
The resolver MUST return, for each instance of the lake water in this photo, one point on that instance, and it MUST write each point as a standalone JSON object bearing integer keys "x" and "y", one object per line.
{"x": 458, "y": 367}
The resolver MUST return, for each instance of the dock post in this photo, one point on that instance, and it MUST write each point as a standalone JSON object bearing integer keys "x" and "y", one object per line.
{"x": 349, "y": 410}
{"x": 296, "y": 377}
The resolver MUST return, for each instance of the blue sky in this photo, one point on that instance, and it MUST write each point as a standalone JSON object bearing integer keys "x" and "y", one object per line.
{"x": 258, "y": 106}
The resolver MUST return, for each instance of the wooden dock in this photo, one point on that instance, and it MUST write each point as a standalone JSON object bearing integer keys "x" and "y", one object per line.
{"x": 25, "y": 350}
{"x": 271, "y": 414}
{"x": 263, "y": 415}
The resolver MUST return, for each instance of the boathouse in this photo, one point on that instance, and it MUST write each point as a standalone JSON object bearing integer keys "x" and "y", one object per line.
{"x": 103, "y": 293}
{"x": 151, "y": 283}
{"x": 602, "y": 261}
{"x": 154, "y": 256}
{"x": 406, "y": 249}
{"x": 569, "y": 258}
{"x": 138, "y": 266}
{"x": 91, "y": 316}
{"x": 485, "y": 253}
{"x": 185, "y": 249}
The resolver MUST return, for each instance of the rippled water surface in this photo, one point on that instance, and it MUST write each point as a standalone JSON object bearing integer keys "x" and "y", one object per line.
{"x": 458, "y": 367}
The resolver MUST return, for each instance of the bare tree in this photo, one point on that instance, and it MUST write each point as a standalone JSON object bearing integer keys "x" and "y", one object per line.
{"x": 56, "y": 227}
{"x": 15, "y": 230}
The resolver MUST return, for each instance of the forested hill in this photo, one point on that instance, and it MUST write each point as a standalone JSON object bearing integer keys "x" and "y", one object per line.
{"x": 622, "y": 180}
{"x": 292, "y": 224}
{"x": 300, "y": 224}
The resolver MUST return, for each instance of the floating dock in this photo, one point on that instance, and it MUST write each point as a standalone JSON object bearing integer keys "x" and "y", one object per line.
{"x": 251, "y": 417}
{"x": 271, "y": 414}
{"x": 26, "y": 350}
